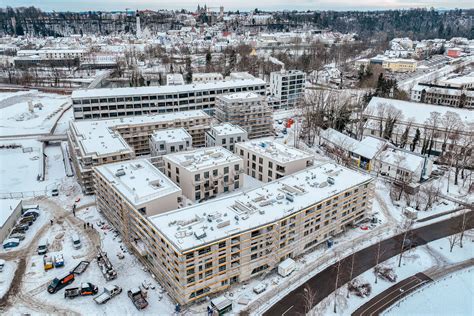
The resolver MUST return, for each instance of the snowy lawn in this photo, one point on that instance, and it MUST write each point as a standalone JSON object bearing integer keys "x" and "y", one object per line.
{"x": 6, "y": 276}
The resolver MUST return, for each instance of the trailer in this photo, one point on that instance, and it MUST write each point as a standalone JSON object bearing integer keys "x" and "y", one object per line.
{"x": 109, "y": 292}
{"x": 106, "y": 266}
{"x": 81, "y": 267}
{"x": 138, "y": 298}
{"x": 85, "y": 289}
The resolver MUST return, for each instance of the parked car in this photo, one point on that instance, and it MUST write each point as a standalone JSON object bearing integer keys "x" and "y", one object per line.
{"x": 28, "y": 220}
{"x": 55, "y": 192}
{"x": 260, "y": 288}
{"x": 76, "y": 241}
{"x": 31, "y": 213}
{"x": 11, "y": 243}
{"x": 19, "y": 236}
{"x": 43, "y": 246}
{"x": 58, "y": 284}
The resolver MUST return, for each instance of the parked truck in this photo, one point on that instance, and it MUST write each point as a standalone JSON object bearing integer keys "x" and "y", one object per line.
{"x": 138, "y": 298}
{"x": 58, "y": 284}
{"x": 109, "y": 292}
{"x": 84, "y": 290}
{"x": 286, "y": 267}
{"x": 106, "y": 266}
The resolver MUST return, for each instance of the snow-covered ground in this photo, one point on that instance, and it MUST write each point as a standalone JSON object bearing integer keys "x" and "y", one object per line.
{"x": 452, "y": 295}
{"x": 16, "y": 118}
{"x": 434, "y": 254}
{"x": 6, "y": 276}
{"x": 20, "y": 167}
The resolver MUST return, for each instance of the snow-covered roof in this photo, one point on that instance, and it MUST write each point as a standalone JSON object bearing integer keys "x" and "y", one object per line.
{"x": 402, "y": 159}
{"x": 227, "y": 129}
{"x": 275, "y": 151}
{"x": 115, "y": 92}
{"x": 208, "y": 222}
{"x": 138, "y": 180}
{"x": 419, "y": 112}
{"x": 203, "y": 158}
{"x": 369, "y": 147}
{"x": 7, "y": 207}
{"x": 240, "y": 96}
{"x": 171, "y": 135}
{"x": 98, "y": 136}
{"x": 339, "y": 139}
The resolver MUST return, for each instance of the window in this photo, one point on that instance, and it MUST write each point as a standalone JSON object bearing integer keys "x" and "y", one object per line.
{"x": 223, "y": 141}
{"x": 214, "y": 172}
{"x": 206, "y": 175}
{"x": 236, "y": 167}
{"x": 226, "y": 170}
{"x": 270, "y": 164}
{"x": 197, "y": 177}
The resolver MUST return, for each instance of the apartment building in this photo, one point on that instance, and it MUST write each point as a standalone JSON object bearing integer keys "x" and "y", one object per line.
{"x": 204, "y": 249}
{"x": 205, "y": 172}
{"x": 248, "y": 110}
{"x": 225, "y": 135}
{"x": 169, "y": 141}
{"x": 52, "y": 53}
{"x": 207, "y": 77}
{"x": 123, "y": 102}
{"x": 400, "y": 65}
{"x": 288, "y": 86}
{"x": 435, "y": 94}
{"x": 268, "y": 161}
{"x": 414, "y": 118}
{"x": 96, "y": 142}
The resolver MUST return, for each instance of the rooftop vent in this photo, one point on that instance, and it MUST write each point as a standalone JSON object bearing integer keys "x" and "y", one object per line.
{"x": 200, "y": 234}
{"x": 120, "y": 172}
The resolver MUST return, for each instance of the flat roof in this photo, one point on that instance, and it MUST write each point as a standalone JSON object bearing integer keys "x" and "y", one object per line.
{"x": 114, "y": 92}
{"x": 227, "y": 129}
{"x": 138, "y": 180}
{"x": 217, "y": 219}
{"x": 275, "y": 151}
{"x": 203, "y": 158}
{"x": 170, "y": 135}
{"x": 240, "y": 96}
{"x": 7, "y": 207}
{"x": 98, "y": 136}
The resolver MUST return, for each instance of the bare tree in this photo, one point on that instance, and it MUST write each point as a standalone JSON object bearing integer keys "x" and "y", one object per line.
{"x": 309, "y": 297}
{"x": 338, "y": 268}
{"x": 378, "y": 255}
{"x": 351, "y": 271}
{"x": 453, "y": 240}
{"x": 405, "y": 227}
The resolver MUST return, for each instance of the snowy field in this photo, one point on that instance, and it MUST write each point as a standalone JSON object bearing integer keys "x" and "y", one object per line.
{"x": 6, "y": 276}
{"x": 16, "y": 119}
{"x": 452, "y": 295}
{"x": 20, "y": 167}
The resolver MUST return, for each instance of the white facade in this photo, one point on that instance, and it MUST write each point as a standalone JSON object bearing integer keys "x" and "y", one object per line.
{"x": 205, "y": 172}
{"x": 174, "y": 79}
{"x": 207, "y": 77}
{"x": 403, "y": 165}
{"x": 10, "y": 211}
{"x": 170, "y": 141}
{"x": 268, "y": 161}
{"x": 120, "y": 102}
{"x": 288, "y": 86}
{"x": 53, "y": 53}
{"x": 225, "y": 135}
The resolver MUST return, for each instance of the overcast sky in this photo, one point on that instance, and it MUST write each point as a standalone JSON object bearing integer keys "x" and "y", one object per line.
{"x": 110, "y": 5}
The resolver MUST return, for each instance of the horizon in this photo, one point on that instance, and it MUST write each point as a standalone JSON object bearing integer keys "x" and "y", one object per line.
{"x": 245, "y": 5}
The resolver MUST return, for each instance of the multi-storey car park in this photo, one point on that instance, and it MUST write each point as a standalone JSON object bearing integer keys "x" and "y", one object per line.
{"x": 205, "y": 172}
{"x": 248, "y": 110}
{"x": 268, "y": 161}
{"x": 97, "y": 142}
{"x": 120, "y": 102}
{"x": 203, "y": 249}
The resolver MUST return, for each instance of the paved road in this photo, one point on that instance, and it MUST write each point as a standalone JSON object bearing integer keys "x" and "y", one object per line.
{"x": 382, "y": 301}
{"x": 323, "y": 283}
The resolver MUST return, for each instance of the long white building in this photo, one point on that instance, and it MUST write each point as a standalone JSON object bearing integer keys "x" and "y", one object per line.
{"x": 120, "y": 102}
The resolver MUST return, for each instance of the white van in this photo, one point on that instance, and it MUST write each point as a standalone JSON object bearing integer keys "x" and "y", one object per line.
{"x": 43, "y": 246}
{"x": 76, "y": 241}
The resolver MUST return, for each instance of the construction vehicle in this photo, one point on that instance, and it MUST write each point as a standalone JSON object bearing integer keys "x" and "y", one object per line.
{"x": 58, "y": 284}
{"x": 84, "y": 290}
{"x": 105, "y": 265}
{"x": 47, "y": 263}
{"x": 109, "y": 292}
{"x": 138, "y": 298}
{"x": 81, "y": 267}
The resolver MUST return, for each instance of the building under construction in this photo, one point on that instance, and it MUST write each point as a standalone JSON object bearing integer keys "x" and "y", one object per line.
{"x": 247, "y": 110}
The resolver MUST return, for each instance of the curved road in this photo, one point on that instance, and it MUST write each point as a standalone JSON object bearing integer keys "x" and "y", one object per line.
{"x": 323, "y": 283}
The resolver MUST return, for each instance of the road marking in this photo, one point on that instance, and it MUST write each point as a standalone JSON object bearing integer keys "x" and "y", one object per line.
{"x": 287, "y": 310}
